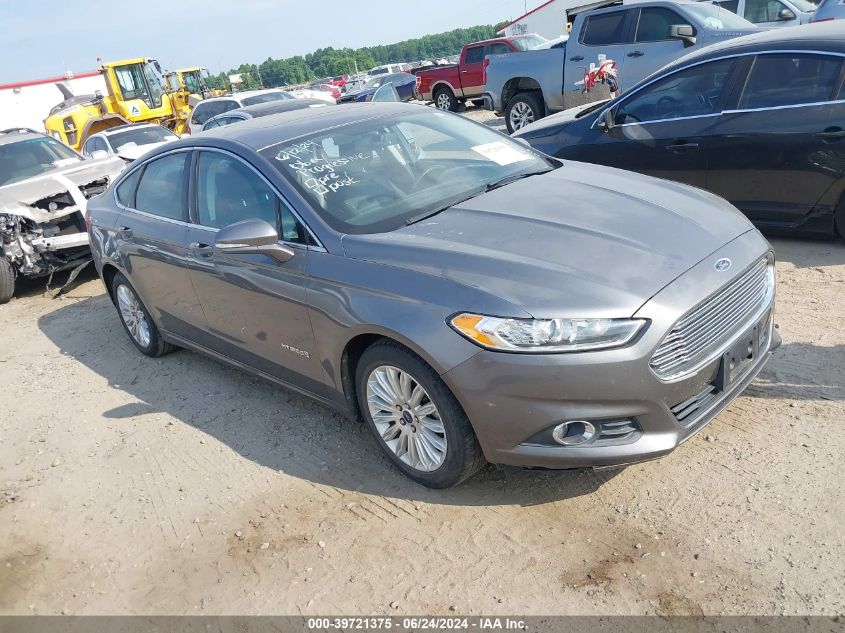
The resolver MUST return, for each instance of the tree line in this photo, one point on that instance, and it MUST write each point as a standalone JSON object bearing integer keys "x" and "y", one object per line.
{"x": 325, "y": 62}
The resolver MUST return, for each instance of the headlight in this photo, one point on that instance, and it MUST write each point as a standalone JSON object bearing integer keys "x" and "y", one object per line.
{"x": 545, "y": 335}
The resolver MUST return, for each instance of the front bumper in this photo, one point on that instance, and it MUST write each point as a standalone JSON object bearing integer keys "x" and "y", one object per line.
{"x": 514, "y": 400}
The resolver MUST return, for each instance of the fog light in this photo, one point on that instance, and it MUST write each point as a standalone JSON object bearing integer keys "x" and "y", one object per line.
{"x": 574, "y": 432}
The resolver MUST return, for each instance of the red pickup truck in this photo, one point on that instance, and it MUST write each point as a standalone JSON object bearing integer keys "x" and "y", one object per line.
{"x": 448, "y": 86}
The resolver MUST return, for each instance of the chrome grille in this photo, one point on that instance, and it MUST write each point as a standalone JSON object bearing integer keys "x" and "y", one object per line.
{"x": 700, "y": 332}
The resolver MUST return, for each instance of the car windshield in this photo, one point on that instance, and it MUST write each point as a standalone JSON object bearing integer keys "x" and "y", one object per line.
{"x": 528, "y": 42}
{"x": 276, "y": 95}
{"x": 33, "y": 156}
{"x": 718, "y": 18}
{"x": 140, "y": 136}
{"x": 377, "y": 175}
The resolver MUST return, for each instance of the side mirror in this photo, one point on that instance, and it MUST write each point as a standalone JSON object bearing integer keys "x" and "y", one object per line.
{"x": 786, "y": 14}
{"x": 99, "y": 154}
{"x": 605, "y": 120}
{"x": 683, "y": 32}
{"x": 252, "y": 237}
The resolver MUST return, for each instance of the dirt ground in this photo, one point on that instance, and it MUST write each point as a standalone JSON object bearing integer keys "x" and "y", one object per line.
{"x": 179, "y": 485}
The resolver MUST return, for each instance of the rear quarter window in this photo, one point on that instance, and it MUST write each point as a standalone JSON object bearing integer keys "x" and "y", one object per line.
{"x": 161, "y": 190}
{"x": 125, "y": 191}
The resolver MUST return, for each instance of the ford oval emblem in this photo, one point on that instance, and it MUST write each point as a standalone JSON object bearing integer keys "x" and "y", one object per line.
{"x": 722, "y": 264}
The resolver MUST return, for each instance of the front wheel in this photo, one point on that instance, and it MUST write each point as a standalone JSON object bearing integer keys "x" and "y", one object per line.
{"x": 415, "y": 418}
{"x": 136, "y": 320}
{"x": 7, "y": 280}
{"x": 523, "y": 109}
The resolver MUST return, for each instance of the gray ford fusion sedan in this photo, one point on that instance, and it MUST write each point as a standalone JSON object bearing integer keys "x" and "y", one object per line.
{"x": 471, "y": 299}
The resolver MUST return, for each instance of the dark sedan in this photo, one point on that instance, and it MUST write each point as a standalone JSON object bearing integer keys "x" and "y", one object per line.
{"x": 382, "y": 258}
{"x": 403, "y": 82}
{"x": 261, "y": 109}
{"x": 758, "y": 120}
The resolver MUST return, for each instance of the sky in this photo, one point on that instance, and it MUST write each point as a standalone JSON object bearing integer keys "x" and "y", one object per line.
{"x": 46, "y": 38}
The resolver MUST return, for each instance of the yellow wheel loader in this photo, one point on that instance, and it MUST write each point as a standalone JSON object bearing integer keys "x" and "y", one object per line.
{"x": 137, "y": 92}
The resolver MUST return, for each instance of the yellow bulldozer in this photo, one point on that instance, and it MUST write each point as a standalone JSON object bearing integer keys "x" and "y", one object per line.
{"x": 138, "y": 91}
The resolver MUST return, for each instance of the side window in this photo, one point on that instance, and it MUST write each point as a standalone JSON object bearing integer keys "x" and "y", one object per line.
{"x": 88, "y": 147}
{"x": 204, "y": 111}
{"x": 655, "y": 22}
{"x": 499, "y": 48}
{"x": 201, "y": 114}
{"x": 758, "y": 11}
{"x": 604, "y": 29}
{"x": 789, "y": 79}
{"x": 693, "y": 91}
{"x": 162, "y": 187}
{"x": 211, "y": 124}
{"x": 730, "y": 5}
{"x": 475, "y": 55}
{"x": 126, "y": 190}
{"x": 228, "y": 191}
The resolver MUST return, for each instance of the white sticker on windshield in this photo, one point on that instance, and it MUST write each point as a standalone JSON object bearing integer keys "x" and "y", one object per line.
{"x": 501, "y": 153}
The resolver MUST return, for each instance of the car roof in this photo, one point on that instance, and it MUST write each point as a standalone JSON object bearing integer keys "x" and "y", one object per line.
{"x": 278, "y": 128}
{"x": 127, "y": 126}
{"x": 244, "y": 94}
{"x": 825, "y": 36}
{"x": 16, "y": 134}
{"x": 273, "y": 107}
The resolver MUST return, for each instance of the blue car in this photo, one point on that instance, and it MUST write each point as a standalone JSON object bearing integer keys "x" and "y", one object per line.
{"x": 403, "y": 82}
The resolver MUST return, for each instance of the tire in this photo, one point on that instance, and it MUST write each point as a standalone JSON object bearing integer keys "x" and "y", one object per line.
{"x": 523, "y": 108}
{"x": 444, "y": 99}
{"x": 478, "y": 103}
{"x": 446, "y": 426}
{"x": 7, "y": 280}
{"x": 127, "y": 301}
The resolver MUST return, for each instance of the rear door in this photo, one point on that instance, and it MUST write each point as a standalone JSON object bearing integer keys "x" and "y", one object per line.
{"x": 255, "y": 306}
{"x": 608, "y": 33}
{"x": 150, "y": 235}
{"x": 653, "y": 47}
{"x": 663, "y": 129}
{"x": 781, "y": 145}
{"x": 472, "y": 70}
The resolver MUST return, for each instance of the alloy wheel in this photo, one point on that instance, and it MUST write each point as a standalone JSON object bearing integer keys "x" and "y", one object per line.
{"x": 443, "y": 101}
{"x": 133, "y": 316}
{"x": 406, "y": 418}
{"x": 521, "y": 115}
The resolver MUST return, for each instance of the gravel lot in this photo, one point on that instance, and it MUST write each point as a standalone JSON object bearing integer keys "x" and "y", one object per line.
{"x": 179, "y": 485}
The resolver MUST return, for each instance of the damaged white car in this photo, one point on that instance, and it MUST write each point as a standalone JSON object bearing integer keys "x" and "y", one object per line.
{"x": 44, "y": 189}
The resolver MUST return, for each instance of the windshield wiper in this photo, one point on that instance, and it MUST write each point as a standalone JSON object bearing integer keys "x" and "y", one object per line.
{"x": 432, "y": 212}
{"x": 513, "y": 178}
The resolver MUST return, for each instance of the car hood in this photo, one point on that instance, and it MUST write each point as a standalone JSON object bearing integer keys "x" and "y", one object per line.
{"x": 20, "y": 198}
{"x": 554, "y": 122}
{"x": 581, "y": 241}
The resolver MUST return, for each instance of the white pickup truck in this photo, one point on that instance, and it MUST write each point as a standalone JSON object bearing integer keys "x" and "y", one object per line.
{"x": 637, "y": 37}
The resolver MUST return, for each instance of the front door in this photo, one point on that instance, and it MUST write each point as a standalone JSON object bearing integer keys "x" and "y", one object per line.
{"x": 653, "y": 47}
{"x": 664, "y": 128}
{"x": 255, "y": 306}
{"x": 472, "y": 71}
{"x": 782, "y": 146}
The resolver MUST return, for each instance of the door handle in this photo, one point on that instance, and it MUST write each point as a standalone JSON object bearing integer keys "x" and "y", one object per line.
{"x": 636, "y": 54}
{"x": 124, "y": 231}
{"x": 577, "y": 58}
{"x": 831, "y": 135}
{"x": 201, "y": 250}
{"x": 464, "y": 71}
{"x": 681, "y": 146}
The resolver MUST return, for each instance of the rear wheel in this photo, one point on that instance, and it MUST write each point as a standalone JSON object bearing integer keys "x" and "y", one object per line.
{"x": 7, "y": 280}
{"x": 136, "y": 320}
{"x": 445, "y": 99}
{"x": 523, "y": 109}
{"x": 415, "y": 418}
